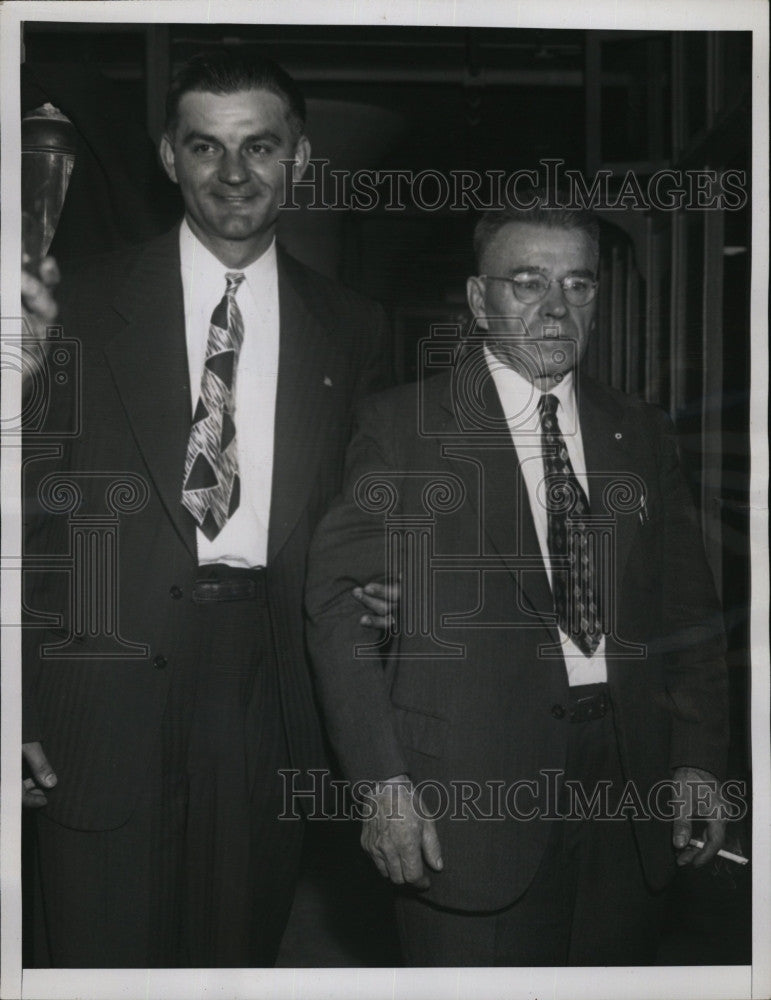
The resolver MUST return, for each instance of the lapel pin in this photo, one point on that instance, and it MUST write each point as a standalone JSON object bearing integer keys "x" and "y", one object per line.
{"x": 327, "y": 381}
{"x": 618, "y": 435}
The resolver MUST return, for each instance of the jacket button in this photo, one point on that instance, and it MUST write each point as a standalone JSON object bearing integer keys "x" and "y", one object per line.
{"x": 159, "y": 662}
{"x": 558, "y": 711}
{"x": 175, "y": 592}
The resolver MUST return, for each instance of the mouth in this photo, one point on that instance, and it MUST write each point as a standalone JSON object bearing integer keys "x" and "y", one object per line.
{"x": 550, "y": 332}
{"x": 544, "y": 335}
{"x": 236, "y": 199}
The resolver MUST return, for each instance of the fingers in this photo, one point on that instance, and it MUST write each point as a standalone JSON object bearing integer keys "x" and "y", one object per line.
{"x": 681, "y": 833}
{"x": 714, "y": 838}
{"x": 31, "y": 797}
{"x": 370, "y": 842}
{"x": 38, "y": 764}
{"x": 401, "y": 855}
{"x": 40, "y": 308}
{"x": 380, "y": 862}
{"x": 411, "y": 858}
{"x": 405, "y": 865}
{"x": 388, "y": 592}
{"x": 373, "y": 599}
{"x": 432, "y": 850}
{"x": 42, "y": 775}
{"x": 37, "y": 298}
{"x": 393, "y": 837}
{"x": 377, "y": 599}
{"x": 686, "y": 857}
{"x": 377, "y": 621}
{"x": 49, "y": 272}
{"x": 698, "y": 795}
{"x": 682, "y": 828}
{"x": 384, "y": 859}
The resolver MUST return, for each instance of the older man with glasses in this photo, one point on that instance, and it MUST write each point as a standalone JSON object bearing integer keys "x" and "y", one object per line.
{"x": 556, "y": 689}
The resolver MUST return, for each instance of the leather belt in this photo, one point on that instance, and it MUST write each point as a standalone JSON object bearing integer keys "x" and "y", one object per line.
{"x": 588, "y": 702}
{"x": 230, "y": 583}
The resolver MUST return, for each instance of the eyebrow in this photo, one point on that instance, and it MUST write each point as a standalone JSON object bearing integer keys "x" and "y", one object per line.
{"x": 215, "y": 141}
{"x": 580, "y": 272}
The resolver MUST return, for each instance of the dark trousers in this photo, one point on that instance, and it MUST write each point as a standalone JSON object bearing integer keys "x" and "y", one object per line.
{"x": 203, "y": 873}
{"x": 587, "y": 905}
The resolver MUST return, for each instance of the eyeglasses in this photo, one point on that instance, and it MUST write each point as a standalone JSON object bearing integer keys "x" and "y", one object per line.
{"x": 531, "y": 288}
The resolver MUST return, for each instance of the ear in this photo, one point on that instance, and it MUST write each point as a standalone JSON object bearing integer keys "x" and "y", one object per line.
{"x": 166, "y": 151}
{"x": 302, "y": 155}
{"x": 475, "y": 294}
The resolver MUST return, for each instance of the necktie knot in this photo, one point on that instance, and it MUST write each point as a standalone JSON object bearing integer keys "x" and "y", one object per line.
{"x": 233, "y": 279}
{"x": 548, "y": 404}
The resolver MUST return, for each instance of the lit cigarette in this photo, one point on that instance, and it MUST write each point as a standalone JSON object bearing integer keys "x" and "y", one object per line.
{"x": 693, "y": 842}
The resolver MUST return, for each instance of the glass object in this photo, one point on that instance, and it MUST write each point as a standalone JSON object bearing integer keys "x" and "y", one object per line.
{"x": 48, "y": 143}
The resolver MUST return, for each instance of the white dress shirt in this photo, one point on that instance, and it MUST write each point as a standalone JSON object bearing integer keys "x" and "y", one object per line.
{"x": 519, "y": 400}
{"x": 243, "y": 541}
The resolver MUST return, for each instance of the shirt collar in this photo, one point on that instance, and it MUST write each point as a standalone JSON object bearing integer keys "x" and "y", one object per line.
{"x": 198, "y": 260}
{"x": 520, "y": 398}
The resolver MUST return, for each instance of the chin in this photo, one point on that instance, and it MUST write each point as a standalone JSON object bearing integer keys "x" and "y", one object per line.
{"x": 242, "y": 229}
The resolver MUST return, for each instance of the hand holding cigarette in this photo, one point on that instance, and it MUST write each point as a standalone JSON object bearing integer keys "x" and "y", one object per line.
{"x": 729, "y": 855}
{"x": 697, "y": 797}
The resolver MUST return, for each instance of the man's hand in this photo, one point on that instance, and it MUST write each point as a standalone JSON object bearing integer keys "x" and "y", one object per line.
{"x": 40, "y": 311}
{"x": 398, "y": 839}
{"x": 37, "y": 296}
{"x": 382, "y": 603}
{"x": 42, "y": 776}
{"x": 698, "y": 797}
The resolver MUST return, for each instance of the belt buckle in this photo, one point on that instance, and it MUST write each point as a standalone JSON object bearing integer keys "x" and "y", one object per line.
{"x": 208, "y": 591}
{"x": 594, "y": 706}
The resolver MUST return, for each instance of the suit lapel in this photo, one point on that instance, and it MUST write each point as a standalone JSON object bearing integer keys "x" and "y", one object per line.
{"x": 611, "y": 468}
{"x": 303, "y": 402}
{"x": 493, "y": 477}
{"x": 491, "y": 471}
{"x": 149, "y": 364}
{"x": 148, "y": 361}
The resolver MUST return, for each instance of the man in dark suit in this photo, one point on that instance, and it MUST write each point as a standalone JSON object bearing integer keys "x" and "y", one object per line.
{"x": 171, "y": 496}
{"x": 533, "y": 731}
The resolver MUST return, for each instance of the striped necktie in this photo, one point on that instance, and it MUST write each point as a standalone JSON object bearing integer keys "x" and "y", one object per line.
{"x": 211, "y": 490}
{"x": 572, "y": 545}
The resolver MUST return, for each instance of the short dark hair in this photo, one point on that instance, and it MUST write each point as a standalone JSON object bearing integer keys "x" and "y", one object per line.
{"x": 229, "y": 71}
{"x": 543, "y": 209}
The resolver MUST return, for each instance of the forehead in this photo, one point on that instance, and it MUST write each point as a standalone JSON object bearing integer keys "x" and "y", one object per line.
{"x": 245, "y": 110}
{"x": 551, "y": 248}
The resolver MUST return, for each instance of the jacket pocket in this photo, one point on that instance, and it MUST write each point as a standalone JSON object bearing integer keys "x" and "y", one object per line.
{"x": 420, "y": 731}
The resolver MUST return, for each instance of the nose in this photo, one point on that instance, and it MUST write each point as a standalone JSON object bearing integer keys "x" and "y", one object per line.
{"x": 233, "y": 168}
{"x": 553, "y": 304}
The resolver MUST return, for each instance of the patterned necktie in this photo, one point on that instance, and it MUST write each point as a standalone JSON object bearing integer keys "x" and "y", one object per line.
{"x": 572, "y": 546}
{"x": 211, "y": 489}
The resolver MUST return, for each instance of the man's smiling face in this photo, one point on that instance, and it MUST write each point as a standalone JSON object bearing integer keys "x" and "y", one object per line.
{"x": 226, "y": 154}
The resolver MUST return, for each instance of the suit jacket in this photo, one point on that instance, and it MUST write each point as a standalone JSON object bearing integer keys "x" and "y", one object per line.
{"x": 96, "y": 699}
{"x": 468, "y": 692}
